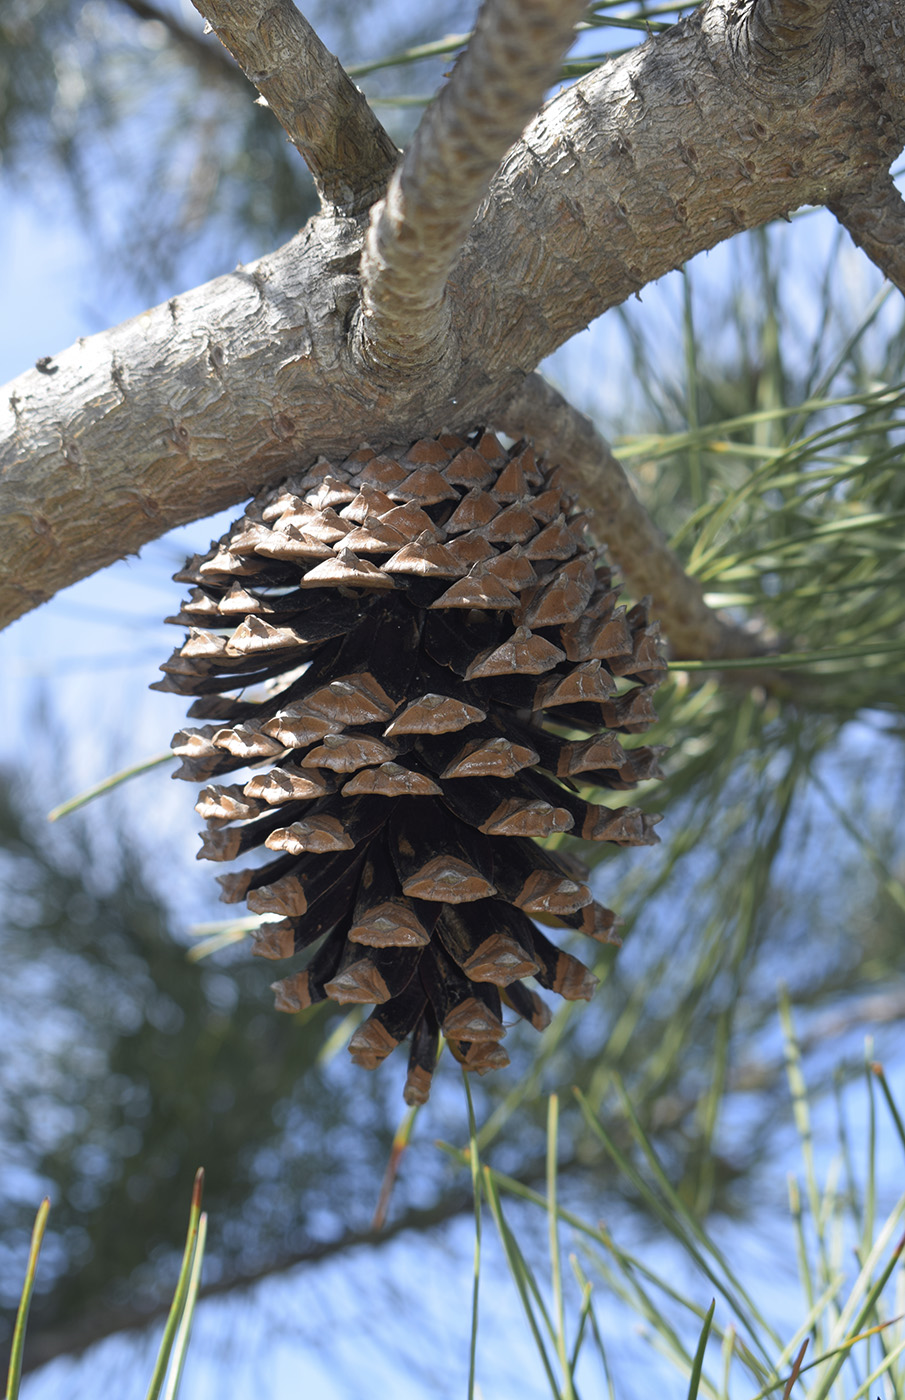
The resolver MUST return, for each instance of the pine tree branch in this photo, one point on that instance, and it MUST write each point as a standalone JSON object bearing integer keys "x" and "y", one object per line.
{"x": 418, "y": 230}
{"x": 324, "y": 114}
{"x": 193, "y": 405}
{"x": 640, "y": 549}
{"x": 876, "y": 221}
{"x": 786, "y": 29}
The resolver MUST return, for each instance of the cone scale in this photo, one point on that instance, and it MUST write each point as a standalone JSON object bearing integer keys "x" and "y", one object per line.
{"x": 417, "y": 668}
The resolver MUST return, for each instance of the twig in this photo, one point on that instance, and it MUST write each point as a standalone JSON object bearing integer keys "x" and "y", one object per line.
{"x": 418, "y": 230}
{"x": 325, "y": 115}
{"x": 648, "y": 565}
{"x": 875, "y": 218}
{"x": 786, "y": 28}
{"x": 208, "y": 56}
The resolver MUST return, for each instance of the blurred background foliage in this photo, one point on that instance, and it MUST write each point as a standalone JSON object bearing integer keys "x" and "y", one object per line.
{"x": 761, "y": 413}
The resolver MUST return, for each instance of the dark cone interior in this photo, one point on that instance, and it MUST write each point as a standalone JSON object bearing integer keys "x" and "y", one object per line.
{"x": 424, "y": 666}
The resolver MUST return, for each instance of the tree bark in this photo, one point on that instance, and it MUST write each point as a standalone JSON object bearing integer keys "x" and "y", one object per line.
{"x": 619, "y": 520}
{"x": 416, "y": 233}
{"x": 325, "y": 116}
{"x": 875, "y": 218}
{"x": 663, "y": 153}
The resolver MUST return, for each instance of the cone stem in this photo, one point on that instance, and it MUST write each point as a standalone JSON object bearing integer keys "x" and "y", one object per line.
{"x": 638, "y": 546}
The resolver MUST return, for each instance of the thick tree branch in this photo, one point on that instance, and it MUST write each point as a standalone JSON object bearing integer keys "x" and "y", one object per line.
{"x": 418, "y": 230}
{"x": 325, "y": 115}
{"x": 784, "y": 29}
{"x": 195, "y": 404}
{"x": 620, "y": 521}
{"x": 875, "y": 218}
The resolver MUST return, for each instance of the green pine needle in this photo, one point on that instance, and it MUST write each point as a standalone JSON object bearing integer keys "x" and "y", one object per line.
{"x": 14, "y": 1376}
{"x": 182, "y": 1295}
{"x": 694, "y": 1380}
{"x": 108, "y": 784}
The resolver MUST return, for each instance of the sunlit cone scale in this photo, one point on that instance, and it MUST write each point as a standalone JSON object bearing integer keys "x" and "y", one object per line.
{"x": 425, "y": 668}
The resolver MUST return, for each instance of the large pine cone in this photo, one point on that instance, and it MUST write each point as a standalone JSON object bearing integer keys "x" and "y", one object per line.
{"x": 428, "y": 638}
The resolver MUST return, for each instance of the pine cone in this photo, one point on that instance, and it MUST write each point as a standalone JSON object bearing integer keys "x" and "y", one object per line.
{"x": 428, "y": 638}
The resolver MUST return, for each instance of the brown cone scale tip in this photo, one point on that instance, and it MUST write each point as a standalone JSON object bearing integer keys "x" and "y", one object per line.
{"x": 418, "y": 655}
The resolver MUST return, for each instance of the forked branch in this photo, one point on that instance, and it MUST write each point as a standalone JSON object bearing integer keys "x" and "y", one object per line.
{"x": 418, "y": 230}
{"x": 632, "y": 171}
{"x": 325, "y": 116}
{"x": 648, "y": 565}
{"x": 875, "y": 219}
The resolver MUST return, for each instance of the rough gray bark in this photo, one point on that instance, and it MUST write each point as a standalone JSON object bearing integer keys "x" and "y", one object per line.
{"x": 418, "y": 229}
{"x": 784, "y": 27}
{"x": 619, "y": 520}
{"x": 875, "y": 218}
{"x": 665, "y": 152}
{"x": 326, "y": 117}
